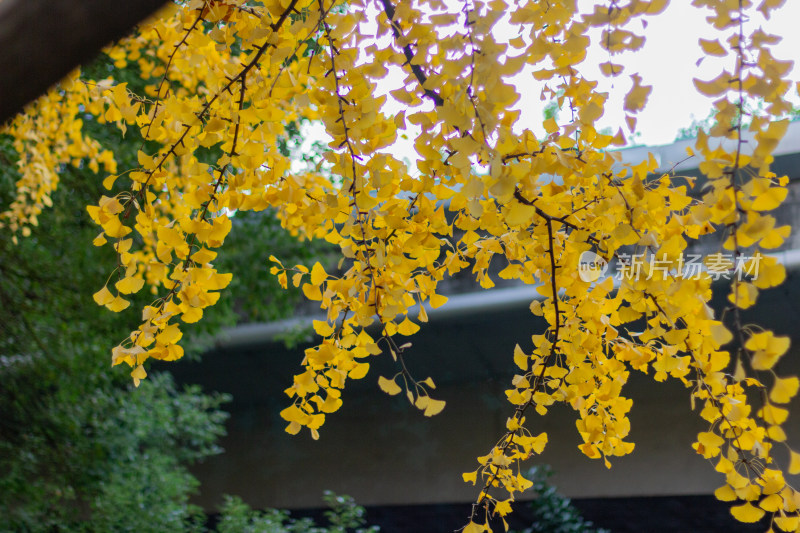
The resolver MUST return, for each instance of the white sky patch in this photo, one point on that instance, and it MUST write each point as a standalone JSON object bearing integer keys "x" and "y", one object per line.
{"x": 668, "y": 62}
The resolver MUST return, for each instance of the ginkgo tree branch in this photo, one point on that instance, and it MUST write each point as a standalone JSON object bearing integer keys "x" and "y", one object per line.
{"x": 388, "y": 8}
{"x": 239, "y": 77}
{"x": 713, "y": 398}
{"x": 375, "y": 287}
{"x": 161, "y": 83}
{"x": 485, "y": 500}
{"x": 42, "y": 40}
{"x": 543, "y": 203}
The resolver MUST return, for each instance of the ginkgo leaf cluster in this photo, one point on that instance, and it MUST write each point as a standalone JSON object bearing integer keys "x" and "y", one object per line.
{"x": 224, "y": 77}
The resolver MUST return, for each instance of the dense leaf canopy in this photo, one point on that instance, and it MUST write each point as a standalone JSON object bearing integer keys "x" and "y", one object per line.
{"x": 222, "y": 80}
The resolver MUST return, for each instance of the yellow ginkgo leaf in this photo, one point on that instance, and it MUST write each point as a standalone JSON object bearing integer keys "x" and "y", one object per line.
{"x": 389, "y": 386}
{"x": 763, "y": 360}
{"x": 407, "y": 327}
{"x": 654, "y": 7}
{"x": 550, "y": 125}
{"x": 437, "y": 300}
{"x": 103, "y": 296}
{"x": 775, "y": 237}
{"x": 214, "y": 124}
{"x": 322, "y": 328}
{"x": 721, "y": 334}
{"x": 766, "y": 348}
{"x": 422, "y": 316}
{"x": 318, "y": 274}
{"x": 766, "y": 340}
{"x": 637, "y": 96}
{"x": 434, "y": 407}
{"x": 625, "y": 234}
{"x": 784, "y": 389}
{"x": 725, "y": 493}
{"x": 220, "y": 229}
{"x": 503, "y": 507}
{"x": 312, "y": 292}
{"x": 747, "y": 513}
{"x": 129, "y": 285}
{"x": 773, "y": 414}
{"x": 771, "y": 503}
{"x": 422, "y": 402}
{"x": 767, "y": 272}
{"x": 712, "y": 48}
{"x": 770, "y": 199}
{"x": 138, "y": 374}
{"x": 203, "y": 256}
{"x": 610, "y": 69}
{"x": 744, "y": 295}
{"x": 114, "y": 228}
{"x": 169, "y": 335}
{"x": 192, "y": 315}
{"x": 776, "y": 433}
{"x": 358, "y": 371}
{"x": 118, "y": 304}
{"x": 520, "y": 358}
{"x": 429, "y": 382}
{"x": 794, "y": 462}
{"x": 711, "y": 443}
{"x": 216, "y": 281}
{"x": 787, "y": 523}
{"x": 713, "y": 87}
{"x": 470, "y": 477}
{"x": 519, "y": 214}
{"x": 472, "y": 527}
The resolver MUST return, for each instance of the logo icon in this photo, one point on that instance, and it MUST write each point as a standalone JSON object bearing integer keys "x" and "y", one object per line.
{"x": 591, "y": 266}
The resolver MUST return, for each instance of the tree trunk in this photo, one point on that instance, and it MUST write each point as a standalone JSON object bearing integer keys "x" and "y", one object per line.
{"x": 43, "y": 40}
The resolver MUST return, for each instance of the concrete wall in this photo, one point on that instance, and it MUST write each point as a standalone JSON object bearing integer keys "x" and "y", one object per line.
{"x": 381, "y": 451}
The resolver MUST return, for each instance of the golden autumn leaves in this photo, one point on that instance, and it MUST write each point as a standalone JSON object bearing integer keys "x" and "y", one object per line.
{"x": 341, "y": 354}
{"x": 224, "y": 78}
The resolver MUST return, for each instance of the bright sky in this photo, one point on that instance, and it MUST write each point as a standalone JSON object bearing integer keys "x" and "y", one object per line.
{"x": 668, "y": 62}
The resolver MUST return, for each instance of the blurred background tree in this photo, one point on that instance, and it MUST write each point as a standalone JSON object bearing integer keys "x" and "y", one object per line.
{"x": 80, "y": 449}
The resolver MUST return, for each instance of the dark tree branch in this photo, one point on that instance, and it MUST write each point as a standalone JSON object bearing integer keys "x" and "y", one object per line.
{"x": 388, "y": 8}
{"x": 43, "y": 40}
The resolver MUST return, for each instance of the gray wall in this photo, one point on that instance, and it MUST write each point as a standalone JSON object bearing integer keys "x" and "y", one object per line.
{"x": 381, "y": 451}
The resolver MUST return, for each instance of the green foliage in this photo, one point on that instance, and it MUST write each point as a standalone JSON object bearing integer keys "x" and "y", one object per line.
{"x": 93, "y": 456}
{"x": 551, "y": 110}
{"x": 254, "y": 294}
{"x": 80, "y": 449}
{"x": 750, "y": 109}
{"x": 343, "y": 515}
{"x": 554, "y": 513}
{"x": 690, "y": 131}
